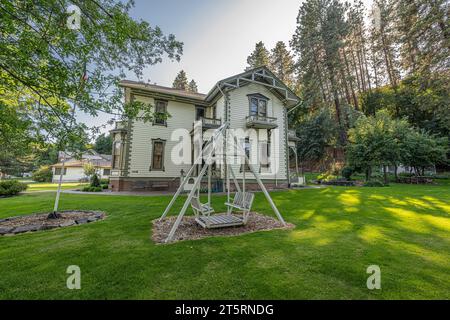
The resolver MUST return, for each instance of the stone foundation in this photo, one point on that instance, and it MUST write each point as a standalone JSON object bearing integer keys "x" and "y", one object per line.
{"x": 152, "y": 184}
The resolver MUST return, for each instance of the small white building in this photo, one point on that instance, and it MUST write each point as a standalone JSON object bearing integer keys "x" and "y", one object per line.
{"x": 74, "y": 168}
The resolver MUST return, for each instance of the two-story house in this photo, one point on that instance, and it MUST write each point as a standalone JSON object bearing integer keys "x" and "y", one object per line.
{"x": 255, "y": 101}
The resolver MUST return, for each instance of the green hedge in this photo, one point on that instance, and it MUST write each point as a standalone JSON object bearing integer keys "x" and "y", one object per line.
{"x": 374, "y": 183}
{"x": 11, "y": 187}
{"x": 92, "y": 189}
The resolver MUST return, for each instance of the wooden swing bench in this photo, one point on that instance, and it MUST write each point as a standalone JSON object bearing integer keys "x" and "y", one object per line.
{"x": 242, "y": 202}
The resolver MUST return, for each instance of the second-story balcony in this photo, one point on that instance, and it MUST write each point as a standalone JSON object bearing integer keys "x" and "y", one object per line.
{"x": 292, "y": 135}
{"x": 261, "y": 122}
{"x": 210, "y": 123}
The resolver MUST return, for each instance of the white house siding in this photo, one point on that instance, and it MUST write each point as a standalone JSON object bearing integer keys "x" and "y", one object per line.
{"x": 239, "y": 106}
{"x": 182, "y": 116}
{"x": 75, "y": 174}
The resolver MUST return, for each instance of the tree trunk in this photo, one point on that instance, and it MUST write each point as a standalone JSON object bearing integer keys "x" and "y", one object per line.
{"x": 396, "y": 172}
{"x": 55, "y": 214}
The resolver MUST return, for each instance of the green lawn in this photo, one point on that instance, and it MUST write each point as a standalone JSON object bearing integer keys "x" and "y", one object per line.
{"x": 339, "y": 232}
{"x": 46, "y": 186}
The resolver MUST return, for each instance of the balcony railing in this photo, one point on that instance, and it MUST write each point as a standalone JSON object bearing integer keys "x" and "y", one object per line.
{"x": 210, "y": 123}
{"x": 261, "y": 122}
{"x": 292, "y": 135}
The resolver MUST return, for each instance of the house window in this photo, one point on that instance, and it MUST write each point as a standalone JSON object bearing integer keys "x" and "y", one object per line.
{"x": 58, "y": 171}
{"x": 160, "y": 112}
{"x": 158, "y": 155}
{"x": 106, "y": 172}
{"x": 199, "y": 113}
{"x": 258, "y": 105}
{"x": 116, "y": 155}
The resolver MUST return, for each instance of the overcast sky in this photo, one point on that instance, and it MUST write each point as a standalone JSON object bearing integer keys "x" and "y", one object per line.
{"x": 218, "y": 35}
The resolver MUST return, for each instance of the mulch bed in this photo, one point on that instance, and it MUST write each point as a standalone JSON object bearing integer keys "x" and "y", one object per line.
{"x": 39, "y": 221}
{"x": 189, "y": 229}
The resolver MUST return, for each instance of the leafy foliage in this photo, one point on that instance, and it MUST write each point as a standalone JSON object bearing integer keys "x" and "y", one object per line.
{"x": 316, "y": 131}
{"x": 422, "y": 101}
{"x": 89, "y": 169}
{"x": 95, "y": 181}
{"x": 380, "y": 141}
{"x": 43, "y": 174}
{"x": 11, "y": 187}
{"x": 347, "y": 173}
{"x": 103, "y": 144}
{"x": 55, "y": 69}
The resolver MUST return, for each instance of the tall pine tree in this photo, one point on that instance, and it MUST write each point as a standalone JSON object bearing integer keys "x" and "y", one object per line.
{"x": 192, "y": 86}
{"x": 181, "y": 81}
{"x": 282, "y": 64}
{"x": 259, "y": 57}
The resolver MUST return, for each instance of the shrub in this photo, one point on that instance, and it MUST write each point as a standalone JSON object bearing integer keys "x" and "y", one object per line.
{"x": 339, "y": 182}
{"x": 11, "y": 187}
{"x": 347, "y": 173}
{"x": 89, "y": 169}
{"x": 91, "y": 189}
{"x": 374, "y": 183}
{"x": 104, "y": 181}
{"x": 104, "y": 186}
{"x": 43, "y": 174}
{"x": 95, "y": 181}
{"x": 326, "y": 177}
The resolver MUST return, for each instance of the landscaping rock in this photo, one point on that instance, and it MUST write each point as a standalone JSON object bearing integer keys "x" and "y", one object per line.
{"x": 26, "y": 228}
{"x": 67, "y": 223}
{"x": 48, "y": 227}
{"x": 5, "y": 230}
{"x": 40, "y": 221}
{"x": 83, "y": 220}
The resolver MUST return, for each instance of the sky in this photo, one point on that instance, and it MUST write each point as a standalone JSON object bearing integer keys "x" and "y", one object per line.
{"x": 218, "y": 35}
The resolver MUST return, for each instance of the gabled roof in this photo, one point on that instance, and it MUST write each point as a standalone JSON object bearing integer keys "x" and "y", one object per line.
{"x": 97, "y": 159}
{"x": 261, "y": 75}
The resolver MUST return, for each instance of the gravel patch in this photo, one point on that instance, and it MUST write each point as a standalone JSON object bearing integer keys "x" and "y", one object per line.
{"x": 189, "y": 229}
{"x": 39, "y": 221}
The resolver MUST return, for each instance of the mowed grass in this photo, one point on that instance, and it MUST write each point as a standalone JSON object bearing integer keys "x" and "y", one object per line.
{"x": 339, "y": 232}
{"x": 44, "y": 186}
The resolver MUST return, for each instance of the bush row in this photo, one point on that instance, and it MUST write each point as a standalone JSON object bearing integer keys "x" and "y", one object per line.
{"x": 11, "y": 187}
